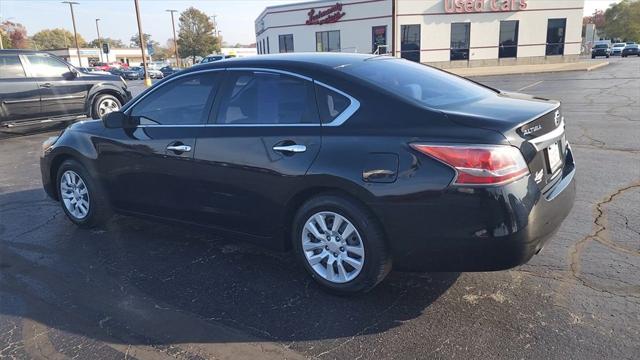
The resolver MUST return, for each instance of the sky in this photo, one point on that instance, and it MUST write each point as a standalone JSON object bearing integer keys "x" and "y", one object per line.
{"x": 235, "y": 18}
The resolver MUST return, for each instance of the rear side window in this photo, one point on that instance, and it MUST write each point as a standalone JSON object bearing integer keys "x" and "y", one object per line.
{"x": 417, "y": 82}
{"x": 266, "y": 98}
{"x": 46, "y": 66}
{"x": 10, "y": 67}
{"x": 330, "y": 103}
{"x": 183, "y": 101}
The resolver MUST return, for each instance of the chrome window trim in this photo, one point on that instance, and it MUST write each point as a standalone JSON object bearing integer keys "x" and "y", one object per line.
{"x": 354, "y": 104}
{"x": 129, "y": 108}
{"x": 267, "y": 70}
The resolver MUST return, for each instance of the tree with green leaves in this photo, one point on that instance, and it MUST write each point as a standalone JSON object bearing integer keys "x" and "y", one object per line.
{"x": 116, "y": 43}
{"x": 195, "y": 37}
{"x": 622, "y": 21}
{"x": 135, "y": 40}
{"x": 56, "y": 39}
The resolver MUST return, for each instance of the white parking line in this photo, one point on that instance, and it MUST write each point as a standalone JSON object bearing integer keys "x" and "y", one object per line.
{"x": 531, "y": 85}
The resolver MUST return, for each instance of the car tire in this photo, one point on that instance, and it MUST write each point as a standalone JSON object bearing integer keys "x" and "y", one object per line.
{"x": 593, "y": 56}
{"x": 86, "y": 203}
{"x": 329, "y": 260}
{"x": 104, "y": 104}
{"x": 607, "y": 56}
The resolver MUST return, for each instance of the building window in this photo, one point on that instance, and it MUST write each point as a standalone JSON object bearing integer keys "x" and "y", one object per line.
{"x": 268, "y": 46}
{"x": 508, "y": 39}
{"x": 460, "y": 39}
{"x": 410, "y": 42}
{"x": 555, "y": 36}
{"x": 328, "y": 40}
{"x": 379, "y": 39}
{"x": 259, "y": 47}
{"x": 286, "y": 43}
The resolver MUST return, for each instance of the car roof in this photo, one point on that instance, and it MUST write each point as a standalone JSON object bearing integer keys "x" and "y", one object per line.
{"x": 308, "y": 61}
{"x": 21, "y": 51}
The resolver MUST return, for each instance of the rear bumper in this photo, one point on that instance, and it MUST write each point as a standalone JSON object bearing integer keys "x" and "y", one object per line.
{"x": 478, "y": 229}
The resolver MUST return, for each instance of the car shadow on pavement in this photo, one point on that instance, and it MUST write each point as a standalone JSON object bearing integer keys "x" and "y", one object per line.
{"x": 141, "y": 282}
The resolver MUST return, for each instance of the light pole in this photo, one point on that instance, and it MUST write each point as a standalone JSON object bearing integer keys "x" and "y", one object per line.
{"x": 99, "y": 41}
{"x": 175, "y": 41}
{"x": 147, "y": 80}
{"x": 75, "y": 32}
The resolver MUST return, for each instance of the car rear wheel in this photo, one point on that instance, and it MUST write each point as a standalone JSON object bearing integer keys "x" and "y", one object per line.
{"x": 340, "y": 244}
{"x": 105, "y": 104}
{"x": 82, "y": 200}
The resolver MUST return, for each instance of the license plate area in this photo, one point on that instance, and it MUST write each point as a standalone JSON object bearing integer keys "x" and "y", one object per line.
{"x": 554, "y": 160}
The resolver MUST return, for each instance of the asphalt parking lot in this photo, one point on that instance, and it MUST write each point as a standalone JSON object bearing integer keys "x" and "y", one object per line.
{"x": 152, "y": 291}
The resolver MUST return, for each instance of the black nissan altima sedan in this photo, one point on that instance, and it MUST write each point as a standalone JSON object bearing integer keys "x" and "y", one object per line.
{"x": 356, "y": 163}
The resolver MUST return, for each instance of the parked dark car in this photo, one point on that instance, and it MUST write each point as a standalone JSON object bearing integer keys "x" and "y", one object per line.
{"x": 600, "y": 50}
{"x": 133, "y": 73}
{"x": 168, "y": 70}
{"x": 631, "y": 50}
{"x": 357, "y": 163}
{"x": 38, "y": 87}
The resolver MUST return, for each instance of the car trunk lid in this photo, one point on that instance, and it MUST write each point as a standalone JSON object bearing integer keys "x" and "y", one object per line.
{"x": 535, "y": 125}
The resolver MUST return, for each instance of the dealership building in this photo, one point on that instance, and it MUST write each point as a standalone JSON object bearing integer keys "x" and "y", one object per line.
{"x": 444, "y": 33}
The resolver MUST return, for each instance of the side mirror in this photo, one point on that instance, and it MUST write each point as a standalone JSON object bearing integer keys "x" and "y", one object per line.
{"x": 71, "y": 74}
{"x": 119, "y": 120}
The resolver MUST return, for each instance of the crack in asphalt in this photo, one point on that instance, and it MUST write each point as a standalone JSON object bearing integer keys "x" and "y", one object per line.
{"x": 599, "y": 235}
{"x": 364, "y": 329}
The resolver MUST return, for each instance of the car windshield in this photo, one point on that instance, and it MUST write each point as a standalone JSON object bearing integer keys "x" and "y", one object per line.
{"x": 417, "y": 82}
{"x": 619, "y": 45}
{"x": 632, "y": 46}
{"x": 601, "y": 46}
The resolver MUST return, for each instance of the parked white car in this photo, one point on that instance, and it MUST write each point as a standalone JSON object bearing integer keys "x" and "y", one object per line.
{"x": 616, "y": 49}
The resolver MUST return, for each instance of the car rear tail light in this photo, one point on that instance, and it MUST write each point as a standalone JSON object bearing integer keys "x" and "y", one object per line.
{"x": 479, "y": 164}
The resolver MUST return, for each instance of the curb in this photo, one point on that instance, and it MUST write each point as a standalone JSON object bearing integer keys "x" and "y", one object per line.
{"x": 499, "y": 72}
{"x": 597, "y": 66}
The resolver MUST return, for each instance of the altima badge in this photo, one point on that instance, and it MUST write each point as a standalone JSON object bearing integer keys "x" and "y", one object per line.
{"x": 538, "y": 177}
{"x": 531, "y": 130}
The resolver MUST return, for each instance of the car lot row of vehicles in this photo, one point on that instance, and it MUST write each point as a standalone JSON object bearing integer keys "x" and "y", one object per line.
{"x": 617, "y": 49}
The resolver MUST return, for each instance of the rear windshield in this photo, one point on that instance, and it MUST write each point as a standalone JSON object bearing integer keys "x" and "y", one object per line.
{"x": 417, "y": 82}
{"x": 619, "y": 45}
{"x": 601, "y": 46}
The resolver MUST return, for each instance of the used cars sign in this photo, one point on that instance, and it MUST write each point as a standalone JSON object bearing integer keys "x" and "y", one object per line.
{"x": 474, "y": 6}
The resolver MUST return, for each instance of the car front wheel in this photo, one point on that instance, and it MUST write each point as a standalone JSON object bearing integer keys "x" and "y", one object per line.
{"x": 82, "y": 199}
{"x": 104, "y": 104}
{"x": 340, "y": 244}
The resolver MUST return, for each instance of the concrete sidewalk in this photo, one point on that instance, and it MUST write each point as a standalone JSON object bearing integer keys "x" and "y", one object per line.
{"x": 528, "y": 69}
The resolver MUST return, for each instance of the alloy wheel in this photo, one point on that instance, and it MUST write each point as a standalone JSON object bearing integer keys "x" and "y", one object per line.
{"x": 332, "y": 247}
{"x": 75, "y": 194}
{"x": 107, "y": 106}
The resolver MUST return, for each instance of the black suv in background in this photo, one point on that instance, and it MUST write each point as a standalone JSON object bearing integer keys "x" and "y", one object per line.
{"x": 600, "y": 50}
{"x": 38, "y": 87}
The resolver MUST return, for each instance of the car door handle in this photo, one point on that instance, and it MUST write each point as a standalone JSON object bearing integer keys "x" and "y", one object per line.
{"x": 179, "y": 148}
{"x": 290, "y": 148}
{"x": 46, "y": 85}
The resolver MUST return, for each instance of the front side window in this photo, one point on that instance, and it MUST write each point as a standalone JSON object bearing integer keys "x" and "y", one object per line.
{"x": 328, "y": 41}
{"x": 508, "y": 39}
{"x": 183, "y": 101}
{"x": 410, "y": 42}
{"x": 419, "y": 83}
{"x": 285, "y": 43}
{"x": 266, "y": 98}
{"x": 555, "y": 36}
{"x": 460, "y": 40}
{"x": 10, "y": 67}
{"x": 46, "y": 66}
